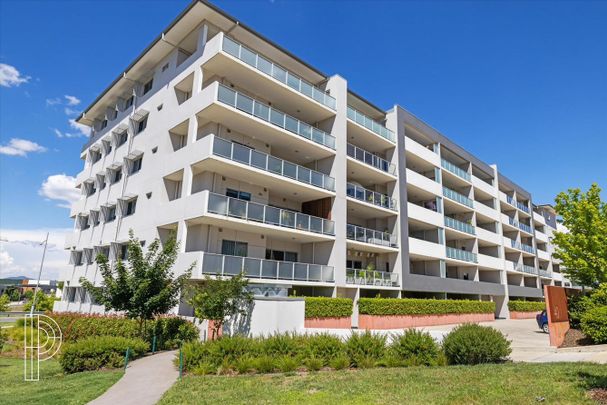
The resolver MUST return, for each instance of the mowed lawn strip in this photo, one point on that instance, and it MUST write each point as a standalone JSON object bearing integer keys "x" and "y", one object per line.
{"x": 484, "y": 384}
{"x": 54, "y": 387}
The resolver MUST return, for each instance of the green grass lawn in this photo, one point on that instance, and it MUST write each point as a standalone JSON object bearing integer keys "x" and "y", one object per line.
{"x": 54, "y": 387}
{"x": 486, "y": 384}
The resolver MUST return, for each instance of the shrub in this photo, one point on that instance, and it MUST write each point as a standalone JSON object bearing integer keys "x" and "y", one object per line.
{"x": 287, "y": 364}
{"x": 313, "y": 363}
{"x": 526, "y": 306}
{"x": 3, "y": 339}
{"x": 285, "y": 344}
{"x": 204, "y": 368}
{"x": 415, "y": 348}
{"x": 324, "y": 307}
{"x": 244, "y": 365}
{"x": 418, "y": 306}
{"x": 95, "y": 353}
{"x": 265, "y": 364}
{"x": 340, "y": 362}
{"x": 475, "y": 344}
{"x": 577, "y": 305}
{"x": 324, "y": 347}
{"x": 362, "y": 348}
{"x": 594, "y": 324}
{"x": 230, "y": 349}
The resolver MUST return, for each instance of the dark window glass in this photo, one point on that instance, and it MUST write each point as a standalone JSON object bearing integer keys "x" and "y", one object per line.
{"x": 148, "y": 86}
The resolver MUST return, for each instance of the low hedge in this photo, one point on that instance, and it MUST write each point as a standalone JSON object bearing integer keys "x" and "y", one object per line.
{"x": 417, "y": 306}
{"x": 324, "y": 307}
{"x": 594, "y": 324}
{"x": 475, "y": 344}
{"x": 526, "y": 306}
{"x": 169, "y": 330}
{"x": 99, "y": 352}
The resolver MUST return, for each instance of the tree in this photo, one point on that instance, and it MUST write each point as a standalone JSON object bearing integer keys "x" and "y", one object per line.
{"x": 583, "y": 247}
{"x": 4, "y": 300}
{"x": 143, "y": 286}
{"x": 14, "y": 295}
{"x": 44, "y": 302}
{"x": 216, "y": 299}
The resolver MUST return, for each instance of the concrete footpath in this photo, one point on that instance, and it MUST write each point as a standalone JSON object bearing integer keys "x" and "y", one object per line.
{"x": 144, "y": 382}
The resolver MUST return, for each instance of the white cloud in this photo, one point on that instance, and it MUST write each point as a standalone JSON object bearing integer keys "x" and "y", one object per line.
{"x": 84, "y": 130}
{"x": 72, "y": 100}
{"x": 21, "y": 252}
{"x": 11, "y": 77}
{"x": 60, "y": 187}
{"x": 20, "y": 147}
{"x": 53, "y": 101}
{"x": 66, "y": 134}
{"x": 70, "y": 111}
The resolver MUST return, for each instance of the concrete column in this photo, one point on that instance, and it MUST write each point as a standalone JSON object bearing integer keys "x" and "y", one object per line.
{"x": 501, "y": 304}
{"x": 182, "y": 235}
{"x": 202, "y": 41}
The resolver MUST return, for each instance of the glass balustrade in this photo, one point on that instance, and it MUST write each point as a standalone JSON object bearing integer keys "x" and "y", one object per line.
{"x": 225, "y": 265}
{"x": 269, "y": 114}
{"x": 369, "y": 196}
{"x": 458, "y": 171}
{"x": 234, "y": 207}
{"x": 279, "y": 73}
{"x": 463, "y": 255}
{"x": 370, "y": 159}
{"x": 522, "y": 246}
{"x": 371, "y": 277}
{"x": 455, "y": 196}
{"x": 370, "y": 124}
{"x": 545, "y": 273}
{"x": 459, "y": 225}
{"x": 365, "y": 235}
{"x": 271, "y": 164}
{"x": 519, "y": 225}
{"x": 522, "y": 207}
{"x": 528, "y": 269}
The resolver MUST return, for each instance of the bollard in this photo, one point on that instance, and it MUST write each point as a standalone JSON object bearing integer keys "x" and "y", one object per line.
{"x": 126, "y": 358}
{"x": 154, "y": 344}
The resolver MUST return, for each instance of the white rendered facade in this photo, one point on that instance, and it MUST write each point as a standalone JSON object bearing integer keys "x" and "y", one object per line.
{"x": 260, "y": 163}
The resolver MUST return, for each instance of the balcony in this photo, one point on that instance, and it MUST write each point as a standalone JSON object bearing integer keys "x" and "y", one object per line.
{"x": 457, "y": 197}
{"x": 270, "y": 164}
{"x": 236, "y": 62}
{"x": 519, "y": 225}
{"x": 267, "y": 123}
{"x": 371, "y": 278}
{"x": 381, "y": 170}
{"x": 254, "y": 268}
{"x": 384, "y": 240}
{"x": 521, "y": 246}
{"x": 459, "y": 226}
{"x": 527, "y": 269}
{"x": 366, "y": 131}
{"x": 416, "y": 149}
{"x": 462, "y": 255}
{"x": 523, "y": 207}
{"x": 545, "y": 273}
{"x": 455, "y": 170}
{"x": 370, "y": 197}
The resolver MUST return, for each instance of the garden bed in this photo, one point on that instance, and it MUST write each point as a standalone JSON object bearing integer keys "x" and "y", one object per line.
{"x": 412, "y": 321}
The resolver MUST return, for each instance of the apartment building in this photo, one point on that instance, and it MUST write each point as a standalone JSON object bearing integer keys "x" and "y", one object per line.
{"x": 260, "y": 163}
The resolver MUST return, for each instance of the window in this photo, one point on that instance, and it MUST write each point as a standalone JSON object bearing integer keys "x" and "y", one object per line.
{"x": 89, "y": 257}
{"x": 136, "y": 165}
{"x": 148, "y": 86}
{"x": 101, "y": 182}
{"x": 354, "y": 264}
{"x": 107, "y": 146}
{"x": 77, "y": 258}
{"x": 241, "y": 195}
{"x": 129, "y": 209}
{"x": 103, "y": 124}
{"x": 234, "y": 248}
{"x": 280, "y": 255}
{"x": 122, "y": 138}
{"x": 117, "y": 175}
{"x": 95, "y": 156}
{"x": 89, "y": 188}
{"x": 165, "y": 67}
{"x": 111, "y": 214}
{"x": 141, "y": 125}
{"x": 128, "y": 102}
{"x": 95, "y": 218}
{"x": 124, "y": 252}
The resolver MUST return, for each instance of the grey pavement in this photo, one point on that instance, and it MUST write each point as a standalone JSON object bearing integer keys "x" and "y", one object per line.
{"x": 144, "y": 382}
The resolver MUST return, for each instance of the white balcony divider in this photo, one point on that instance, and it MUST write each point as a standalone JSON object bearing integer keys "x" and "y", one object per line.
{"x": 370, "y": 196}
{"x": 366, "y": 235}
{"x": 370, "y": 124}
{"x": 262, "y": 111}
{"x": 458, "y": 171}
{"x": 371, "y": 159}
{"x": 371, "y": 277}
{"x": 234, "y": 207}
{"x": 251, "y": 157}
{"x": 279, "y": 73}
{"x": 225, "y": 265}
{"x": 463, "y": 255}
{"x": 459, "y": 225}
{"x": 455, "y": 196}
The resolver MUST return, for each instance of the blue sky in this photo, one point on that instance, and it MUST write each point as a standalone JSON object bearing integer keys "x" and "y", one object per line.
{"x": 520, "y": 84}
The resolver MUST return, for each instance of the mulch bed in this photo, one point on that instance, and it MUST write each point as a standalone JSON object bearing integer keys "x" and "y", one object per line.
{"x": 599, "y": 395}
{"x": 574, "y": 338}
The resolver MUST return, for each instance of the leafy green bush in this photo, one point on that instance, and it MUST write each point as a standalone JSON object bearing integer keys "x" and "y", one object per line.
{"x": 526, "y": 306}
{"x": 363, "y": 348}
{"x": 265, "y": 364}
{"x": 99, "y": 352}
{"x": 287, "y": 364}
{"x": 340, "y": 362}
{"x": 475, "y": 344}
{"x": 283, "y": 344}
{"x": 324, "y": 307}
{"x": 417, "y": 306}
{"x": 3, "y": 339}
{"x": 313, "y": 363}
{"x": 414, "y": 348}
{"x": 324, "y": 347}
{"x": 169, "y": 330}
{"x": 594, "y": 324}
